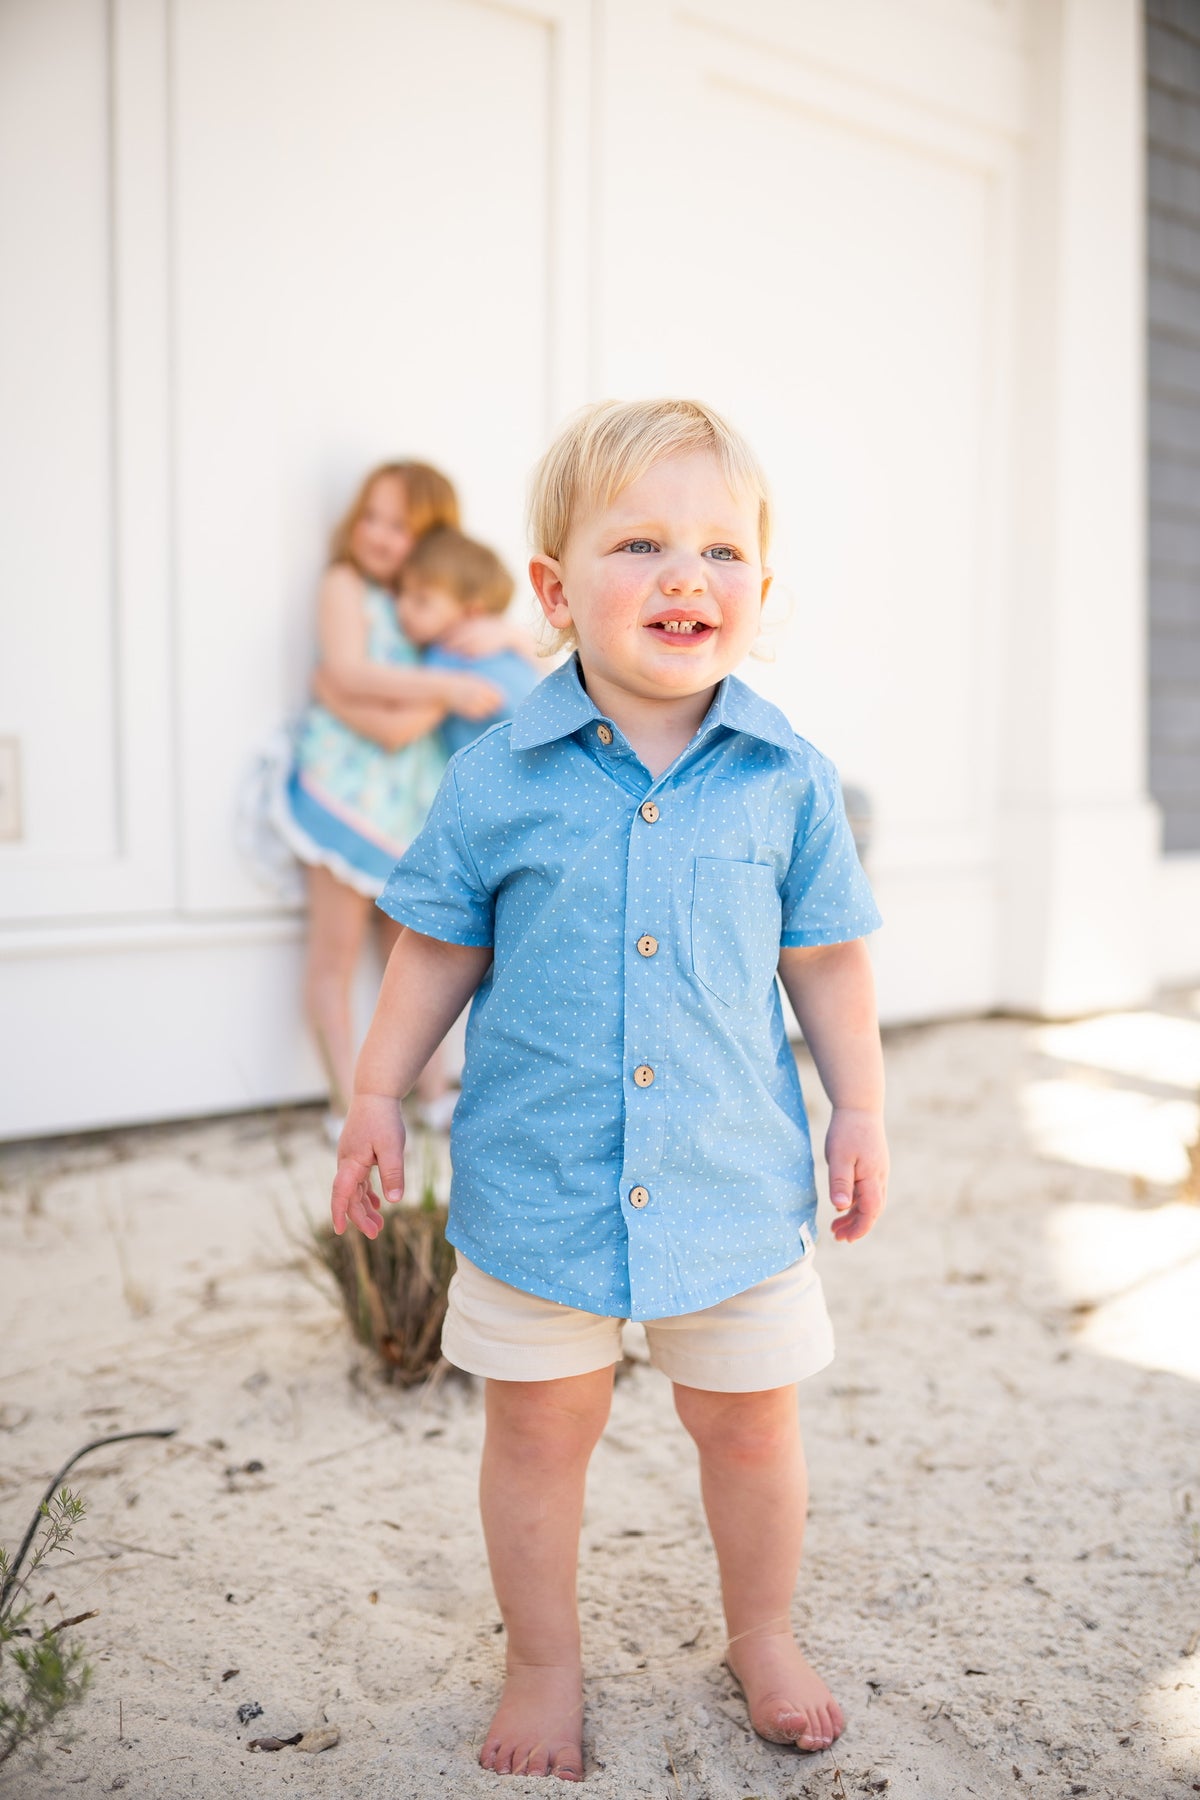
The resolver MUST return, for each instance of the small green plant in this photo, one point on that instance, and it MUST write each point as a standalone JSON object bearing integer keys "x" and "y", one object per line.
{"x": 43, "y": 1675}
{"x": 42, "y": 1679}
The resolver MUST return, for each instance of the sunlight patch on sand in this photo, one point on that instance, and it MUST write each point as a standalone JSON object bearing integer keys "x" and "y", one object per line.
{"x": 1148, "y": 1046}
{"x": 1133, "y": 1280}
{"x": 1097, "y": 1126}
{"x": 1102, "y": 1252}
{"x": 1130, "y": 1274}
{"x": 1172, "y": 1703}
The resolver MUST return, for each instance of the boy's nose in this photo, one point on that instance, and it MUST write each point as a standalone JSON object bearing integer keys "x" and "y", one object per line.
{"x": 685, "y": 575}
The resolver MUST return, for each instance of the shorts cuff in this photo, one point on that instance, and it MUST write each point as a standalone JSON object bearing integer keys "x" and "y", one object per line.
{"x": 743, "y": 1375}
{"x": 523, "y": 1362}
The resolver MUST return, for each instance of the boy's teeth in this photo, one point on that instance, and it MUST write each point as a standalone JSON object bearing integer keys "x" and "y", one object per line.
{"x": 680, "y": 624}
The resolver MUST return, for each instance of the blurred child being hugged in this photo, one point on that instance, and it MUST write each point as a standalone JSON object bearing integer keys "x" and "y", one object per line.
{"x": 453, "y": 595}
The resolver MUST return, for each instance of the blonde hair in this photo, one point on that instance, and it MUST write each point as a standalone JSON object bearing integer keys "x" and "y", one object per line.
{"x": 429, "y": 502}
{"x": 470, "y": 571}
{"x": 611, "y": 444}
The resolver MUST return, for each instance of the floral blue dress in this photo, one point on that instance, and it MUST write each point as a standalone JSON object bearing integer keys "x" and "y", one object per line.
{"x": 347, "y": 802}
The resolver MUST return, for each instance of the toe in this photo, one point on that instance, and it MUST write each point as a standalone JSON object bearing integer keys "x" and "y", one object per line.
{"x": 810, "y": 1731}
{"x": 567, "y": 1765}
{"x": 534, "y": 1760}
{"x": 825, "y": 1727}
{"x": 487, "y": 1756}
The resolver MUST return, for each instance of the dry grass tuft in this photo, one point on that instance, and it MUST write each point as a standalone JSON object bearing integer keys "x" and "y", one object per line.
{"x": 394, "y": 1286}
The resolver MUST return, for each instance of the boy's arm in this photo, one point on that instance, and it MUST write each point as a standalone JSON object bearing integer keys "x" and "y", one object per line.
{"x": 832, "y": 991}
{"x": 425, "y": 987}
{"x": 484, "y": 636}
{"x": 342, "y": 637}
{"x": 391, "y": 724}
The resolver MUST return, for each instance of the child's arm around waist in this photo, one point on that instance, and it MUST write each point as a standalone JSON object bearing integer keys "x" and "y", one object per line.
{"x": 425, "y": 987}
{"x": 389, "y": 723}
{"x": 832, "y": 991}
{"x": 342, "y": 636}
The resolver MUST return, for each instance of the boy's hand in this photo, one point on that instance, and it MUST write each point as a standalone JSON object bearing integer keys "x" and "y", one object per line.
{"x": 372, "y": 1137}
{"x": 856, "y": 1151}
{"x": 470, "y": 695}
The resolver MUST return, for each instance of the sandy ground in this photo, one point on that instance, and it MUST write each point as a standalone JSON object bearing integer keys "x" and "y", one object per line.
{"x": 1003, "y": 1564}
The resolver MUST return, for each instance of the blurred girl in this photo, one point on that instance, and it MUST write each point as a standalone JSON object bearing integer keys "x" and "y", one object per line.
{"x": 350, "y": 806}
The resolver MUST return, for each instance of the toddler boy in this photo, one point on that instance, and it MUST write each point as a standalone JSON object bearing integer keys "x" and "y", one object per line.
{"x": 617, "y": 875}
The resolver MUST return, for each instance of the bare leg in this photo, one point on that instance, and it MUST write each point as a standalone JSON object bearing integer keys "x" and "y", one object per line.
{"x": 755, "y": 1489}
{"x": 337, "y": 923}
{"x": 540, "y": 1437}
{"x": 431, "y": 1082}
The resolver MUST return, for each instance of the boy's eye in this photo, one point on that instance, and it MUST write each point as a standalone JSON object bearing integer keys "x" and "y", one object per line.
{"x": 723, "y": 553}
{"x": 639, "y": 546}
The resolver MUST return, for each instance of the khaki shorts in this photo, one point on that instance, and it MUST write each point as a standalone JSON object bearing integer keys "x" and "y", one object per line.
{"x": 775, "y": 1333}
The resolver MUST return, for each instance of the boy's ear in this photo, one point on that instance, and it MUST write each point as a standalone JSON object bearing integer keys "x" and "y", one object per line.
{"x": 768, "y": 578}
{"x": 546, "y": 578}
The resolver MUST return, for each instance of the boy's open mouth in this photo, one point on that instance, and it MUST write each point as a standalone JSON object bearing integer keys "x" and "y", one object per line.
{"x": 692, "y": 629}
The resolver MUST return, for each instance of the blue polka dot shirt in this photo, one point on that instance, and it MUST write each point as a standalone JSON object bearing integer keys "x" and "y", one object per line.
{"x": 631, "y": 1137}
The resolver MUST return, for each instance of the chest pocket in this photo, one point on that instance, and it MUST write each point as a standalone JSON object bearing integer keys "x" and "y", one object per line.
{"x": 736, "y": 922}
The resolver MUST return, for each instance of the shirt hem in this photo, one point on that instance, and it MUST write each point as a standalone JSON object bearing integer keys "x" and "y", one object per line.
{"x": 799, "y": 940}
{"x": 585, "y": 1303}
{"x": 417, "y": 922}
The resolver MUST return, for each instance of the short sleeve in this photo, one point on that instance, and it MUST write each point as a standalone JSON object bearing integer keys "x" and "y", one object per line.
{"x": 436, "y": 888}
{"x": 826, "y": 897}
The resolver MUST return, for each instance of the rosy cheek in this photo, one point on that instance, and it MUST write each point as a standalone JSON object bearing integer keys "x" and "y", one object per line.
{"x": 626, "y": 586}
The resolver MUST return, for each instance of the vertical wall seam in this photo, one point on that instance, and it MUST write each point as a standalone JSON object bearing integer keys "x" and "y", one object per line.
{"x": 119, "y": 730}
{"x": 552, "y": 274}
{"x": 171, "y": 422}
{"x": 594, "y": 197}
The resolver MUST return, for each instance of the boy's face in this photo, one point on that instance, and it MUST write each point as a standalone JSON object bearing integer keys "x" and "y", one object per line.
{"x": 427, "y": 612}
{"x": 665, "y": 586}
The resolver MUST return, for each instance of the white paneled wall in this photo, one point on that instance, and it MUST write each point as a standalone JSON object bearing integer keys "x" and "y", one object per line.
{"x": 362, "y": 271}
{"x": 270, "y": 242}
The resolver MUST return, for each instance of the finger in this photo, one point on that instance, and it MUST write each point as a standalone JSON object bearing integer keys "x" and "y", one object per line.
{"x": 841, "y": 1184}
{"x": 390, "y": 1164}
{"x": 351, "y": 1175}
{"x": 365, "y": 1212}
{"x": 868, "y": 1204}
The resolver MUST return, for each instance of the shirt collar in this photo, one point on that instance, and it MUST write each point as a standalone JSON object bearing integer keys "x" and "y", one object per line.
{"x": 559, "y": 706}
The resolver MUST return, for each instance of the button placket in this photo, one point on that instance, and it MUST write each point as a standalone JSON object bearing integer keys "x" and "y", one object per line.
{"x": 646, "y": 1012}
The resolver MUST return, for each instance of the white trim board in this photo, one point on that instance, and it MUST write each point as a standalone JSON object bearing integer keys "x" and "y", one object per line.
{"x": 136, "y": 1032}
{"x": 1175, "y": 909}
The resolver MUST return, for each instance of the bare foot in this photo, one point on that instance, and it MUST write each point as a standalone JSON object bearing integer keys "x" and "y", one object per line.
{"x": 537, "y": 1727}
{"x": 788, "y": 1701}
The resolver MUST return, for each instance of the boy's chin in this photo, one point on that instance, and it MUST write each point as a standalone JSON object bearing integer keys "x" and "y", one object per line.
{"x": 684, "y": 672}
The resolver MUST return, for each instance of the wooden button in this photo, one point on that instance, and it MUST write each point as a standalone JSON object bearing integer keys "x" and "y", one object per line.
{"x": 643, "y": 1075}
{"x": 604, "y": 733}
{"x": 638, "y": 1197}
{"x": 647, "y": 946}
{"x": 648, "y": 811}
